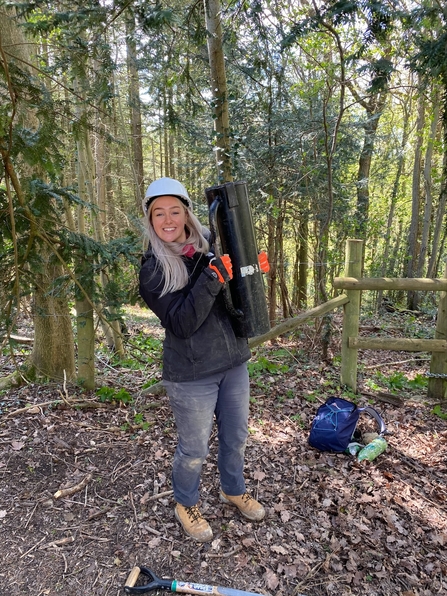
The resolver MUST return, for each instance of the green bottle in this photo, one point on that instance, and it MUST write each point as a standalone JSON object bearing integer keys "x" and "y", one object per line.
{"x": 373, "y": 449}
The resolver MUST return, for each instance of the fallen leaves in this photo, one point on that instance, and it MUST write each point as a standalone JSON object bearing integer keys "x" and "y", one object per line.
{"x": 332, "y": 527}
{"x": 17, "y": 445}
{"x": 271, "y": 579}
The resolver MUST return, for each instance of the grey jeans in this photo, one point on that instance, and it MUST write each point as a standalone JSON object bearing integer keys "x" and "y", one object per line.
{"x": 194, "y": 404}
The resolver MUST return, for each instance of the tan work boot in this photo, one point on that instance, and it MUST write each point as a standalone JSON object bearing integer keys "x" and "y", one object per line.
{"x": 249, "y": 507}
{"x": 193, "y": 523}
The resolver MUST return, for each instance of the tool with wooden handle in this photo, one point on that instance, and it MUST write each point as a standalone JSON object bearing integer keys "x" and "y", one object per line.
{"x": 155, "y": 583}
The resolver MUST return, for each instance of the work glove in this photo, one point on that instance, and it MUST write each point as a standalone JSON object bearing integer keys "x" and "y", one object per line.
{"x": 222, "y": 268}
{"x": 264, "y": 264}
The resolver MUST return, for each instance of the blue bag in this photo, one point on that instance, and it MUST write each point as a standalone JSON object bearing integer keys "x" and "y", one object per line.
{"x": 334, "y": 425}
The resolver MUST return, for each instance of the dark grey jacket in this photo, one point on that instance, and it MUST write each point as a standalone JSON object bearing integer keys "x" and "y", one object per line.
{"x": 199, "y": 339}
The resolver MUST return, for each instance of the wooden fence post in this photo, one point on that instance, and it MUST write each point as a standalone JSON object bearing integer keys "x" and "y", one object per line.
{"x": 351, "y": 315}
{"x": 437, "y": 388}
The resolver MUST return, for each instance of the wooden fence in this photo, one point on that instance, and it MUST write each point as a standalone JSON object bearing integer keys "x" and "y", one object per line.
{"x": 353, "y": 284}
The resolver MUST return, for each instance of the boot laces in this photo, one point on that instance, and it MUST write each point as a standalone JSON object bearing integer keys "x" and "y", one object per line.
{"x": 246, "y": 497}
{"x": 193, "y": 513}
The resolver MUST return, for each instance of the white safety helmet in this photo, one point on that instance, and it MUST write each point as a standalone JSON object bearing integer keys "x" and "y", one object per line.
{"x": 165, "y": 187}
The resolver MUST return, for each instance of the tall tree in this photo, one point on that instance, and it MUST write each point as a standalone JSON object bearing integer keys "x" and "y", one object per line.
{"x": 427, "y": 28}
{"x": 413, "y": 235}
{"x": 213, "y": 14}
{"x": 53, "y": 347}
{"x": 373, "y": 106}
{"x": 135, "y": 109}
{"x": 428, "y": 186}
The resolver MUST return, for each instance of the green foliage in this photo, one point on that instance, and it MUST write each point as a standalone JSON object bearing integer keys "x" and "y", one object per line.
{"x": 146, "y": 347}
{"x": 397, "y": 381}
{"x": 298, "y": 419}
{"x": 378, "y": 16}
{"x": 102, "y": 255}
{"x": 153, "y": 18}
{"x": 139, "y": 421}
{"x": 437, "y": 411}
{"x": 263, "y": 365}
{"x": 348, "y": 394}
{"x": 429, "y": 28}
{"x": 110, "y": 394}
{"x": 417, "y": 328}
{"x": 311, "y": 397}
{"x": 149, "y": 383}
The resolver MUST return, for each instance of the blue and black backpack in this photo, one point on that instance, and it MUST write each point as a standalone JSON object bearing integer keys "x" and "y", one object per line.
{"x": 333, "y": 427}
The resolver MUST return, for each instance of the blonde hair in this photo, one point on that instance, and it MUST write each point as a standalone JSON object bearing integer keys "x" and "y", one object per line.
{"x": 169, "y": 254}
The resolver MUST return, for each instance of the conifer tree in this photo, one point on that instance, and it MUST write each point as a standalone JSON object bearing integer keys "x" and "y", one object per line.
{"x": 24, "y": 135}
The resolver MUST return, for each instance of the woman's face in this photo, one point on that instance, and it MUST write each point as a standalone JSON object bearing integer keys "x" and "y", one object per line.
{"x": 168, "y": 216}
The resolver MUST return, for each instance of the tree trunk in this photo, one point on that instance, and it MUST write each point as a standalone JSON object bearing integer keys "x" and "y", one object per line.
{"x": 300, "y": 267}
{"x": 53, "y": 348}
{"x": 171, "y": 135}
{"x": 373, "y": 112}
{"x": 111, "y": 329}
{"x": 415, "y": 203}
{"x": 85, "y": 327}
{"x": 219, "y": 89}
{"x": 303, "y": 261}
{"x": 440, "y": 212}
{"x": 84, "y": 311}
{"x": 285, "y": 303}
{"x": 436, "y": 247}
{"x": 331, "y": 127}
{"x": 428, "y": 187}
{"x": 387, "y": 264}
{"x": 135, "y": 110}
{"x": 167, "y": 166}
{"x": 273, "y": 273}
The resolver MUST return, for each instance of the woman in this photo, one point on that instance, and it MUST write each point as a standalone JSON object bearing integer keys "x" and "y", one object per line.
{"x": 204, "y": 363}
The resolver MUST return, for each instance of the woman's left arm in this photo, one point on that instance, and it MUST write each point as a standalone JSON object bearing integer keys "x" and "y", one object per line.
{"x": 181, "y": 313}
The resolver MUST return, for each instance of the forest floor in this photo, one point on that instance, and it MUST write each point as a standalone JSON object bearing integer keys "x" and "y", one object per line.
{"x": 334, "y": 526}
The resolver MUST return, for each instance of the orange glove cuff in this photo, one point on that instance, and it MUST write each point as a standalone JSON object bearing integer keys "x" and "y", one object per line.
{"x": 264, "y": 264}
{"x": 227, "y": 264}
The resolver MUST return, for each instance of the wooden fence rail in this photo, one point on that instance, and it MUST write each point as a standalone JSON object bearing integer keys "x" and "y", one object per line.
{"x": 391, "y": 283}
{"x": 353, "y": 284}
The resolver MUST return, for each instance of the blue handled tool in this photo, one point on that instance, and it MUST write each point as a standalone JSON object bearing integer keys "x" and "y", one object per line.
{"x": 155, "y": 583}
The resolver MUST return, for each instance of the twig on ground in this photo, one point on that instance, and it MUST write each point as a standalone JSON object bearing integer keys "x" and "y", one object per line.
{"x": 64, "y": 395}
{"x": 160, "y": 495}
{"x": 32, "y": 548}
{"x": 437, "y": 505}
{"x": 67, "y": 492}
{"x": 97, "y": 538}
{"x": 65, "y": 562}
{"x": 133, "y": 507}
{"x": 313, "y": 571}
{"x": 32, "y": 513}
{"x": 55, "y": 402}
{"x": 60, "y": 542}
{"x": 152, "y": 531}
{"x": 98, "y": 513}
{"x": 225, "y": 555}
{"x": 380, "y": 364}
{"x": 388, "y": 398}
